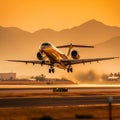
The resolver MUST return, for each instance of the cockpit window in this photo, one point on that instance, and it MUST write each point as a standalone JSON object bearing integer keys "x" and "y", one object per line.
{"x": 46, "y": 44}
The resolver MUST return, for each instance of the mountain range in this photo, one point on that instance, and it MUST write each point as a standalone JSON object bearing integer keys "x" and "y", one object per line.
{"x": 19, "y": 44}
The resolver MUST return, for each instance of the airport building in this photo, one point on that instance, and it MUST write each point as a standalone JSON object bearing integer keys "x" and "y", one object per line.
{"x": 114, "y": 77}
{"x": 7, "y": 76}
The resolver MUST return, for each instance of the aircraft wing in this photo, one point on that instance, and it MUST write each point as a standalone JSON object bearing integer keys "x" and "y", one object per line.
{"x": 80, "y": 61}
{"x": 42, "y": 62}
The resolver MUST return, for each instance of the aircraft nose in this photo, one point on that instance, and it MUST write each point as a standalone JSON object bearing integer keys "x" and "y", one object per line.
{"x": 45, "y": 45}
{"x": 42, "y": 47}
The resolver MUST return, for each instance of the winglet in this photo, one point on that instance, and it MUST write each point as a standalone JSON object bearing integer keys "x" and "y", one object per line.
{"x": 116, "y": 57}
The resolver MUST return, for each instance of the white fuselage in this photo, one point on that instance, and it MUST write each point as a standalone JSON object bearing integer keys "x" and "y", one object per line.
{"x": 54, "y": 54}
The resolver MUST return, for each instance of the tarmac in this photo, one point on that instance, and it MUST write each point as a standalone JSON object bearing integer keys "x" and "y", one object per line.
{"x": 97, "y": 95}
{"x": 57, "y": 101}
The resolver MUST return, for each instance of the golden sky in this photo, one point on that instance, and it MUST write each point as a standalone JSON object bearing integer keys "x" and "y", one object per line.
{"x": 32, "y": 15}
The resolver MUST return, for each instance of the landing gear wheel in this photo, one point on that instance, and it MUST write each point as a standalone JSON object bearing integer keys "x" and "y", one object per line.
{"x": 70, "y": 70}
{"x": 51, "y": 70}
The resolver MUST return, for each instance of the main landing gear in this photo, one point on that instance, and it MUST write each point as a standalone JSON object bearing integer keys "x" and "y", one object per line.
{"x": 70, "y": 69}
{"x": 51, "y": 70}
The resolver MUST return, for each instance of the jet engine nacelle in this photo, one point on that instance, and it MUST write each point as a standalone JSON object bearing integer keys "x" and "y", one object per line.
{"x": 75, "y": 54}
{"x": 39, "y": 56}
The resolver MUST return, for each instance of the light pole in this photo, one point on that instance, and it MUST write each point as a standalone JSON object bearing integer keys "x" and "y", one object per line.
{"x": 110, "y": 100}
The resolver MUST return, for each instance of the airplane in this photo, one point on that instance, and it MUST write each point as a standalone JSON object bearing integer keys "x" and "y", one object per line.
{"x": 50, "y": 55}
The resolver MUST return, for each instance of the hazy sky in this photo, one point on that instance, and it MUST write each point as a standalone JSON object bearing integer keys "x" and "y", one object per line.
{"x": 32, "y": 15}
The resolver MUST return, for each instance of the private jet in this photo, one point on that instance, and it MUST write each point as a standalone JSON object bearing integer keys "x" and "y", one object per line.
{"x": 50, "y": 55}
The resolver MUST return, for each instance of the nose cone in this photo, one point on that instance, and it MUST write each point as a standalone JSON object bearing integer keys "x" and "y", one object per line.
{"x": 44, "y": 45}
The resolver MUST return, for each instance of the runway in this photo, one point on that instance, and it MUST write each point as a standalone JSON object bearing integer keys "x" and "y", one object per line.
{"x": 56, "y": 101}
{"x": 43, "y": 96}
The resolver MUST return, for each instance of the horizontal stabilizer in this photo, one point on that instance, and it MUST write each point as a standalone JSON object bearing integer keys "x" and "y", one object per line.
{"x": 71, "y": 45}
